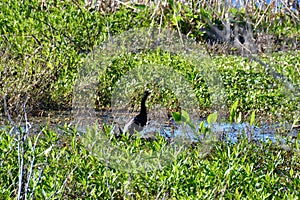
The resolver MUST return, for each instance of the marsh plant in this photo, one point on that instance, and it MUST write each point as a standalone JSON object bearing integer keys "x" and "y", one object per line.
{"x": 52, "y": 165}
{"x": 240, "y": 62}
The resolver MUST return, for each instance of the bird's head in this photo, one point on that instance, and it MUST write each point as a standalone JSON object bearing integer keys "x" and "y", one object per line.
{"x": 147, "y": 93}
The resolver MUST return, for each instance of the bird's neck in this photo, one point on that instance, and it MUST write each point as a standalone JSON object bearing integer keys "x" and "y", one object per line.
{"x": 143, "y": 106}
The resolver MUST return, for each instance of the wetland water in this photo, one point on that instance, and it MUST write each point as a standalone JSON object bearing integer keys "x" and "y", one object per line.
{"x": 232, "y": 132}
{"x": 221, "y": 131}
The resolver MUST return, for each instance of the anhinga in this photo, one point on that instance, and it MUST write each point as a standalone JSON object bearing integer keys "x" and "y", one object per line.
{"x": 139, "y": 121}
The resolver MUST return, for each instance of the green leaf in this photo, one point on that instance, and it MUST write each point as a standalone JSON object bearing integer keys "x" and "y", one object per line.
{"x": 234, "y": 105}
{"x": 252, "y": 118}
{"x": 29, "y": 143}
{"x": 291, "y": 172}
{"x": 233, "y": 111}
{"x": 176, "y": 116}
{"x": 201, "y": 126}
{"x": 185, "y": 116}
{"x": 212, "y": 118}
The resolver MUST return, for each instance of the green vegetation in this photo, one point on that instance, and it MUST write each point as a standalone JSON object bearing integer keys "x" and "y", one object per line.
{"x": 254, "y": 49}
{"x": 44, "y": 45}
{"x": 59, "y": 166}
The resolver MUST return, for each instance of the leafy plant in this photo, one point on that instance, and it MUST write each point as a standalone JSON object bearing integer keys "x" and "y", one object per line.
{"x": 234, "y": 115}
{"x": 62, "y": 166}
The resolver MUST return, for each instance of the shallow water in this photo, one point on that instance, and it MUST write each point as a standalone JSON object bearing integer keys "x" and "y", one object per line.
{"x": 263, "y": 133}
{"x": 218, "y": 131}
{"x": 229, "y": 132}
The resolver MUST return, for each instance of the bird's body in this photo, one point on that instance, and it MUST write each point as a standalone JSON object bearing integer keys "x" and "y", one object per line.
{"x": 139, "y": 121}
{"x": 132, "y": 126}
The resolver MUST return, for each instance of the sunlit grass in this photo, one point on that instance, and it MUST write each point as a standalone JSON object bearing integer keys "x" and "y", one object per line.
{"x": 62, "y": 167}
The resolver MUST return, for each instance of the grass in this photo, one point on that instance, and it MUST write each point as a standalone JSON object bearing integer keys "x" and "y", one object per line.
{"x": 61, "y": 166}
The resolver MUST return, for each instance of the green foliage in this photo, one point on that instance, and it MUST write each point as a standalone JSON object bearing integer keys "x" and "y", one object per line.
{"x": 62, "y": 167}
{"x": 258, "y": 88}
{"x": 45, "y": 44}
{"x": 176, "y": 116}
{"x": 233, "y": 113}
{"x": 212, "y": 118}
{"x": 126, "y": 63}
{"x": 252, "y": 118}
{"x": 184, "y": 118}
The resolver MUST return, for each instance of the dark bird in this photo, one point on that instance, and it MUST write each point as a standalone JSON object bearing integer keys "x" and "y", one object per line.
{"x": 139, "y": 121}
